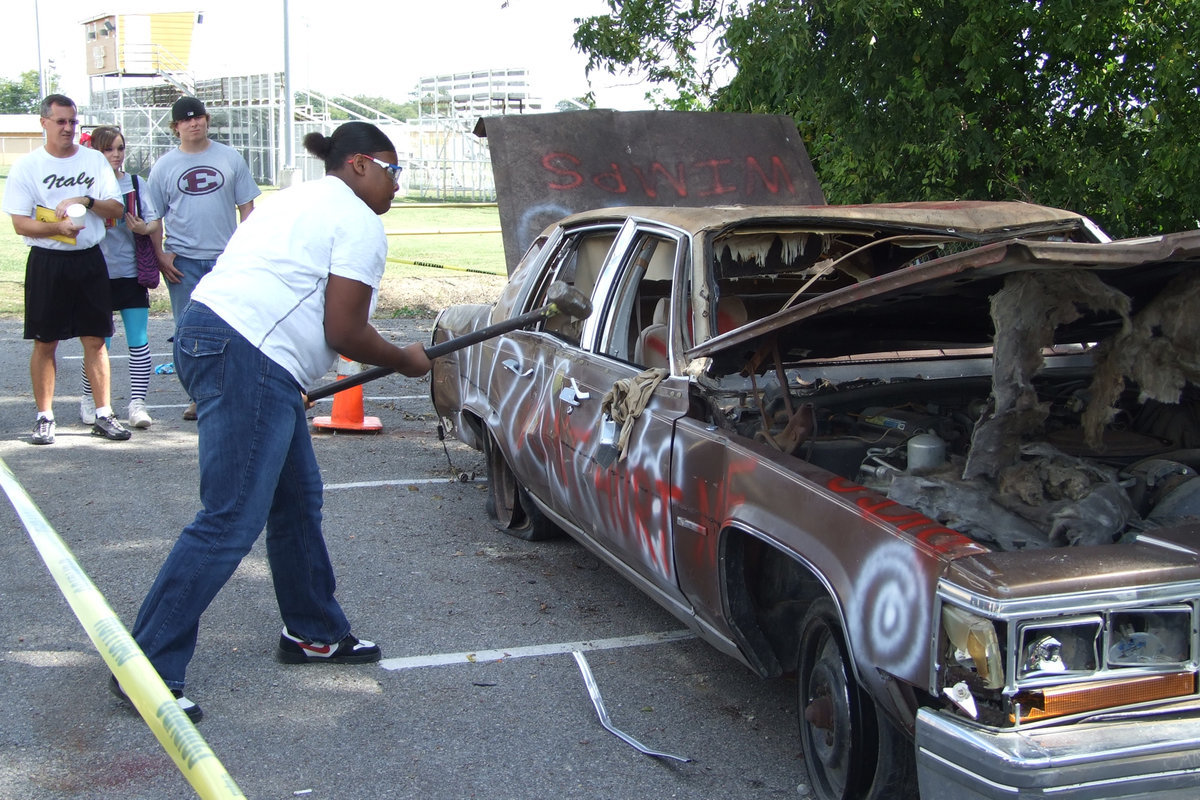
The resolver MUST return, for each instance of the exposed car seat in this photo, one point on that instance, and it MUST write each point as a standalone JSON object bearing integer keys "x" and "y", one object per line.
{"x": 651, "y": 347}
{"x": 731, "y": 314}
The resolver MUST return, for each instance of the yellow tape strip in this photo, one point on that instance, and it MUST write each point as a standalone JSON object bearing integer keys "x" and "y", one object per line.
{"x": 447, "y": 232}
{"x": 139, "y": 680}
{"x": 443, "y": 266}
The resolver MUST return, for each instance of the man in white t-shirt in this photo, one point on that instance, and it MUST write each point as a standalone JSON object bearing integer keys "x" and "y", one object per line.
{"x": 58, "y": 197}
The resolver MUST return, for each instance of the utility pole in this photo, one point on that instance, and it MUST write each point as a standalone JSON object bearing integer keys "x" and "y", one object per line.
{"x": 289, "y": 104}
{"x": 37, "y": 32}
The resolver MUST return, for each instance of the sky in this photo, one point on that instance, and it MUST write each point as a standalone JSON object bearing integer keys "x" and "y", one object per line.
{"x": 377, "y": 48}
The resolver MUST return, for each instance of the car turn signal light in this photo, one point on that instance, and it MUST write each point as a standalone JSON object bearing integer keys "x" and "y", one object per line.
{"x": 1061, "y": 701}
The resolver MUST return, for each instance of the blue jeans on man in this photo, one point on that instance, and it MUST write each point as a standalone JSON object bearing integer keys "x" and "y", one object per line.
{"x": 193, "y": 270}
{"x": 257, "y": 469}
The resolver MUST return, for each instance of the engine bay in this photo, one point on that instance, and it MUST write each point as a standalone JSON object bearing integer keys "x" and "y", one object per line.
{"x": 1036, "y": 443}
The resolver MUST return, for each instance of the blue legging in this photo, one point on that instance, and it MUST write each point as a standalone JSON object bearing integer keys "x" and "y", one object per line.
{"x": 137, "y": 323}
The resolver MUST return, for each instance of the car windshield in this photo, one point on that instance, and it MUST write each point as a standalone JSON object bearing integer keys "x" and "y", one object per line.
{"x": 771, "y": 268}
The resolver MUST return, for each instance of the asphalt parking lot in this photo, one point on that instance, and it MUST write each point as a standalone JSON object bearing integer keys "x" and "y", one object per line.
{"x": 478, "y": 694}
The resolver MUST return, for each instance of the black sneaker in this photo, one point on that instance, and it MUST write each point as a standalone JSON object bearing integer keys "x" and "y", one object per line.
{"x": 193, "y": 711}
{"x": 109, "y": 428}
{"x": 350, "y": 650}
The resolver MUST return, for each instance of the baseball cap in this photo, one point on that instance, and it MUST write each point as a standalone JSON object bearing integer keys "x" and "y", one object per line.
{"x": 187, "y": 108}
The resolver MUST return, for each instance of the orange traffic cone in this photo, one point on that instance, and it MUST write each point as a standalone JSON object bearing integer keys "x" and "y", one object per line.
{"x": 348, "y": 406}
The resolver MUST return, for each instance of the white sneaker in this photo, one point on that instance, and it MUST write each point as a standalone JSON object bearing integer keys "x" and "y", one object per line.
{"x": 137, "y": 416}
{"x": 43, "y": 431}
{"x": 87, "y": 410}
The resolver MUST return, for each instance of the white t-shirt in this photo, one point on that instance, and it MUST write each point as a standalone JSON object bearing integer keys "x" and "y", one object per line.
{"x": 40, "y": 179}
{"x": 269, "y": 284}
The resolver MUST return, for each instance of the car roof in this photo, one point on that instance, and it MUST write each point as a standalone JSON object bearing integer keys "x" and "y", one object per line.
{"x": 964, "y": 217}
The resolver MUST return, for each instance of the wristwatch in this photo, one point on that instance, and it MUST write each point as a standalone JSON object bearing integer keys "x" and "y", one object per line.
{"x": 88, "y": 201}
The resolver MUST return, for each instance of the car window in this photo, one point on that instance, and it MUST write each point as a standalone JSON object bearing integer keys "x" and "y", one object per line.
{"x": 519, "y": 280}
{"x": 636, "y": 316}
{"x": 577, "y": 263}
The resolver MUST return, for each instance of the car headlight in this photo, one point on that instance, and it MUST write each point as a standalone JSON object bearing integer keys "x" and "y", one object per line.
{"x": 1060, "y": 647}
{"x": 1054, "y": 666}
{"x": 1152, "y": 637}
{"x": 1090, "y": 663}
{"x": 975, "y": 645}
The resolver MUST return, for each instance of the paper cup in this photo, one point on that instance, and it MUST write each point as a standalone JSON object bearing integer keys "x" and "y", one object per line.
{"x": 75, "y": 212}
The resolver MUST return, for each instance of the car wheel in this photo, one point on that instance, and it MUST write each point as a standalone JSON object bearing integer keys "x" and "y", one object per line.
{"x": 851, "y": 752}
{"x": 509, "y": 506}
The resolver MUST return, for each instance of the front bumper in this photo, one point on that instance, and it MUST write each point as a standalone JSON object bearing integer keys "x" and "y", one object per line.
{"x": 1138, "y": 757}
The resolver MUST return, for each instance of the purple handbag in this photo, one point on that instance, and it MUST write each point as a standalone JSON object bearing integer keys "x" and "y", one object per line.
{"x": 143, "y": 249}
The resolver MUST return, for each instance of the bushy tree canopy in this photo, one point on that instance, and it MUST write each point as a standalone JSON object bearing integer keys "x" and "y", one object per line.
{"x": 392, "y": 108}
{"x": 1092, "y": 106}
{"x": 22, "y": 96}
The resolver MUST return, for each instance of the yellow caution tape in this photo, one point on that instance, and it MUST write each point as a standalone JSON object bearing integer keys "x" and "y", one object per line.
{"x": 443, "y": 266}
{"x": 139, "y": 680}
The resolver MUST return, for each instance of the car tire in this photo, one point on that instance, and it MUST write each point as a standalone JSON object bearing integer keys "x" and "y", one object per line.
{"x": 851, "y": 752}
{"x": 509, "y": 506}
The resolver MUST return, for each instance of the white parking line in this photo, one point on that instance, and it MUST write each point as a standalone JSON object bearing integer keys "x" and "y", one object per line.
{"x": 333, "y": 487}
{"x": 443, "y": 659}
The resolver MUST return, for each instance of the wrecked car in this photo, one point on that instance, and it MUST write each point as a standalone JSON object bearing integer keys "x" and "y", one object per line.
{"x": 938, "y": 460}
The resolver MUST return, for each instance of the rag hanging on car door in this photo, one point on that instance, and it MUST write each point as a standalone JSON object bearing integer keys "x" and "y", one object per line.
{"x": 626, "y": 400}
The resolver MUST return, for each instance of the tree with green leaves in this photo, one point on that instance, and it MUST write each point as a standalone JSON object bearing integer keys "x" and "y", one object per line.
{"x": 1090, "y": 106}
{"x": 321, "y": 105}
{"x": 24, "y": 95}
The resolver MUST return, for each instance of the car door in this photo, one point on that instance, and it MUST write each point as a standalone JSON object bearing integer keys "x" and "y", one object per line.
{"x": 523, "y": 386}
{"x": 618, "y": 499}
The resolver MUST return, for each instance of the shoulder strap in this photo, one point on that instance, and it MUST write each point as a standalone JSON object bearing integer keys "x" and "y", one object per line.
{"x": 137, "y": 198}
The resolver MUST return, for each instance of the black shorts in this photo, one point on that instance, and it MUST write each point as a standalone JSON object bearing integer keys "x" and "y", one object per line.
{"x": 128, "y": 293}
{"x": 66, "y": 294}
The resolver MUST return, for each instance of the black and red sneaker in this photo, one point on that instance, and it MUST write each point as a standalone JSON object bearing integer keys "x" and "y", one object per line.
{"x": 350, "y": 650}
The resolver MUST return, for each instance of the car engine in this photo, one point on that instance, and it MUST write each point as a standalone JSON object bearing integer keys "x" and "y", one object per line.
{"x": 1045, "y": 444}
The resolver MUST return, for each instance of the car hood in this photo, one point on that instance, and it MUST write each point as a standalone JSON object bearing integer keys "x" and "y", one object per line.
{"x": 945, "y": 303}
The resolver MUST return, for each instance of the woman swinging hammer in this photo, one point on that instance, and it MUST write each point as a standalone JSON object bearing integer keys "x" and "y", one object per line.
{"x": 294, "y": 288}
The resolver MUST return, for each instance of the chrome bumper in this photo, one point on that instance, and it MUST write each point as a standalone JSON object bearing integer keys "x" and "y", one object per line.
{"x": 1143, "y": 757}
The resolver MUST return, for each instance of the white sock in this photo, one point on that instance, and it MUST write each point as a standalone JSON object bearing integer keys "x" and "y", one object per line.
{"x": 104, "y": 411}
{"x": 47, "y": 414}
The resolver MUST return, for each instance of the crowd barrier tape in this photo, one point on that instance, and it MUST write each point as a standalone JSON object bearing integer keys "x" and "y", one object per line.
{"x": 446, "y": 232}
{"x": 141, "y": 683}
{"x": 444, "y": 266}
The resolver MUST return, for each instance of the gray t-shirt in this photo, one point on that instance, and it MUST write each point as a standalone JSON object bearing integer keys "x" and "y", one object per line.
{"x": 118, "y": 239}
{"x": 197, "y": 195}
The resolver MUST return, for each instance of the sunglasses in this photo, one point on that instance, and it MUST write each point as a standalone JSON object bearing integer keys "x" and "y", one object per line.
{"x": 393, "y": 170}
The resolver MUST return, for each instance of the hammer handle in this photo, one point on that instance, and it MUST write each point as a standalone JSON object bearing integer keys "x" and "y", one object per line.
{"x": 434, "y": 351}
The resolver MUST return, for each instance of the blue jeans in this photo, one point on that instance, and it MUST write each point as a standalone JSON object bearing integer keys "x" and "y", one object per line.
{"x": 257, "y": 468}
{"x": 193, "y": 270}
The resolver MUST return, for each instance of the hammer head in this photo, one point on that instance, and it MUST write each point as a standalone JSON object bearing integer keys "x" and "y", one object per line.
{"x": 568, "y": 300}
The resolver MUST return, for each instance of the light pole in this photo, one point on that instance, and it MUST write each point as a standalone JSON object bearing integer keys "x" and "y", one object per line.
{"x": 37, "y": 32}
{"x": 289, "y": 110}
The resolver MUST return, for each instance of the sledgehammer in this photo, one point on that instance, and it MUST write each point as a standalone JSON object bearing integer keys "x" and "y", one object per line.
{"x": 562, "y": 299}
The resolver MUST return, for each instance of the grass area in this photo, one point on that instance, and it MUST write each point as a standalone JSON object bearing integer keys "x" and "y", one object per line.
{"x": 470, "y": 265}
{"x": 407, "y": 289}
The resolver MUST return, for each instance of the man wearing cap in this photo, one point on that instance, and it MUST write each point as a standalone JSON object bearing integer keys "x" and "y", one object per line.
{"x": 59, "y": 197}
{"x": 197, "y": 186}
